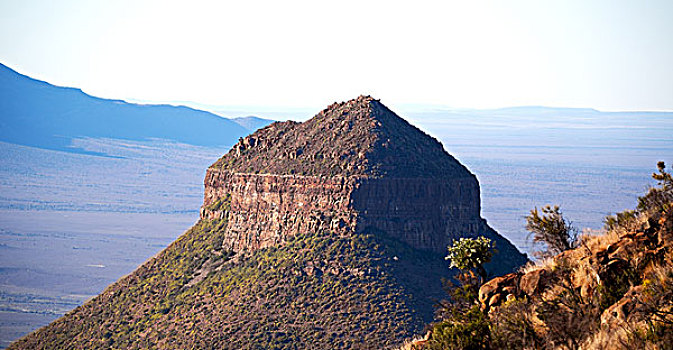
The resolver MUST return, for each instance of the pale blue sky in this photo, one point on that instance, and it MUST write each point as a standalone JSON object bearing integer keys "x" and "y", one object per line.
{"x": 609, "y": 55}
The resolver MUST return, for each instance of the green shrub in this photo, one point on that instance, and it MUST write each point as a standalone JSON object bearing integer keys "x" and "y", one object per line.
{"x": 656, "y": 308}
{"x": 614, "y": 286}
{"x": 513, "y": 326}
{"x": 471, "y": 253}
{"x": 464, "y": 331}
{"x": 624, "y": 219}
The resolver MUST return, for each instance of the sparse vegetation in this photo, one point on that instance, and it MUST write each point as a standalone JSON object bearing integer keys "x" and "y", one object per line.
{"x": 465, "y": 329}
{"x": 568, "y": 316}
{"x": 550, "y": 228}
{"x": 463, "y": 324}
{"x": 514, "y": 326}
{"x": 319, "y": 288}
{"x": 656, "y": 308}
{"x": 624, "y": 219}
{"x": 658, "y": 198}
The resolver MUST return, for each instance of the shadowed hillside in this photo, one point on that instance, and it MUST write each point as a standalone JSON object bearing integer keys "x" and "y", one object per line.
{"x": 318, "y": 291}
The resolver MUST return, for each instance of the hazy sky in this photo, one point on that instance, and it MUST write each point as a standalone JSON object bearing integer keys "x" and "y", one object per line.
{"x": 609, "y": 55}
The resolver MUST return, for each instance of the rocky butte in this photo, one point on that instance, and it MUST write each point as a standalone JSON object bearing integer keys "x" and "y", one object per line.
{"x": 354, "y": 167}
{"x": 325, "y": 234}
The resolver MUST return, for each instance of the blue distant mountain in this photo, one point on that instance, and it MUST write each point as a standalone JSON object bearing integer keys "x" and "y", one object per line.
{"x": 36, "y": 113}
{"x": 542, "y": 110}
{"x": 252, "y": 123}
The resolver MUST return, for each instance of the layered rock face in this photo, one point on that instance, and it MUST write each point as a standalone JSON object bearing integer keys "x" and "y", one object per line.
{"x": 354, "y": 167}
{"x": 266, "y": 209}
{"x": 426, "y": 213}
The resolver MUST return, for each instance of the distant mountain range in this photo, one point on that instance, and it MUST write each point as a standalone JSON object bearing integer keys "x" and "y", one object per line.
{"x": 252, "y": 123}
{"x": 36, "y": 113}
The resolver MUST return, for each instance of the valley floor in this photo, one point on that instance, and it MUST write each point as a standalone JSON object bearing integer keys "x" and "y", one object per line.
{"x": 53, "y": 261}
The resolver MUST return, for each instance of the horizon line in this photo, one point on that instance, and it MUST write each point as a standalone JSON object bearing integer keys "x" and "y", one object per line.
{"x": 213, "y": 108}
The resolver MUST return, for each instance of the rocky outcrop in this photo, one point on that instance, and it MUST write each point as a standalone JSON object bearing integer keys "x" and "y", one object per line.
{"x": 499, "y": 289}
{"x": 610, "y": 266}
{"x": 356, "y": 137}
{"x": 354, "y": 167}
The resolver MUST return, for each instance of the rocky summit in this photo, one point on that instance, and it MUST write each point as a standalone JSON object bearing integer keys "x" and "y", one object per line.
{"x": 325, "y": 234}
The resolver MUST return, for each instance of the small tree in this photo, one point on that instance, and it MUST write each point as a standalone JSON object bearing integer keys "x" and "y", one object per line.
{"x": 471, "y": 254}
{"x": 552, "y": 229}
{"x": 665, "y": 179}
{"x": 464, "y": 325}
{"x": 658, "y": 198}
{"x": 623, "y": 219}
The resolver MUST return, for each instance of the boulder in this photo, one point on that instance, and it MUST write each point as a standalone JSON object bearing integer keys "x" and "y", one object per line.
{"x": 534, "y": 281}
{"x": 495, "y": 291}
{"x": 618, "y": 313}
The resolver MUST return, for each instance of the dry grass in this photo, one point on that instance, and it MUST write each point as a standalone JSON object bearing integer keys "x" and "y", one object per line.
{"x": 543, "y": 264}
{"x": 607, "y": 339}
{"x": 406, "y": 346}
{"x": 600, "y": 240}
{"x": 585, "y": 276}
{"x": 416, "y": 343}
{"x": 596, "y": 240}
